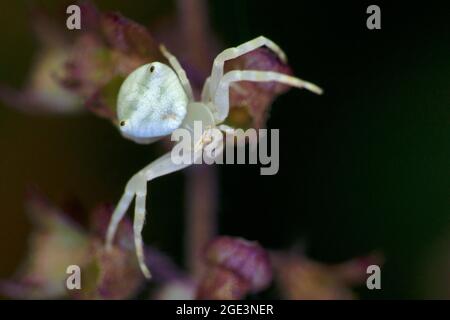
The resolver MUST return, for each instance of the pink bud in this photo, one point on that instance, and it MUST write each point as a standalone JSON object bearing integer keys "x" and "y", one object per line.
{"x": 236, "y": 267}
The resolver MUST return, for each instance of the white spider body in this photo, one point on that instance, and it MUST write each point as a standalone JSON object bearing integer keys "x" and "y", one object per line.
{"x": 199, "y": 111}
{"x": 155, "y": 100}
{"x": 151, "y": 102}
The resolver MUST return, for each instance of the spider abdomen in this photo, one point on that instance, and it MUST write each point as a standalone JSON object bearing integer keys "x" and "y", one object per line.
{"x": 151, "y": 102}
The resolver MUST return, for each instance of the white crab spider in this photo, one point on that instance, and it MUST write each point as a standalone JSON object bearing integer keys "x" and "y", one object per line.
{"x": 156, "y": 99}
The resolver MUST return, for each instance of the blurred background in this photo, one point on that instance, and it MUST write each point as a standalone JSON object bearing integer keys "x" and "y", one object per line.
{"x": 364, "y": 167}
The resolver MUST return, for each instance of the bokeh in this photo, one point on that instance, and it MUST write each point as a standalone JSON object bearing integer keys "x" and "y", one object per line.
{"x": 363, "y": 168}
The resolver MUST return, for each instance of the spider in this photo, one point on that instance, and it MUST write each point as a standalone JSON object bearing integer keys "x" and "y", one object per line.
{"x": 155, "y": 99}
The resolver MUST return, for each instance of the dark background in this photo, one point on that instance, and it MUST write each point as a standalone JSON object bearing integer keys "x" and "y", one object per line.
{"x": 363, "y": 167}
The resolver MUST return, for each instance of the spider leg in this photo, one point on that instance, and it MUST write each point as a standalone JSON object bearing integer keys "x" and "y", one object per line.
{"x": 205, "y": 97}
{"x": 137, "y": 186}
{"x": 118, "y": 214}
{"x": 232, "y": 53}
{"x": 214, "y": 146}
{"x": 226, "y": 128}
{"x": 138, "y": 225}
{"x": 179, "y": 70}
{"x": 221, "y": 96}
{"x": 232, "y": 134}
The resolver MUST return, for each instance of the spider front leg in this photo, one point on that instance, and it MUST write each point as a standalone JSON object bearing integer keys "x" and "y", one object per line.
{"x": 117, "y": 215}
{"x": 138, "y": 224}
{"x": 137, "y": 187}
{"x": 221, "y": 96}
{"x": 179, "y": 71}
{"x": 232, "y": 53}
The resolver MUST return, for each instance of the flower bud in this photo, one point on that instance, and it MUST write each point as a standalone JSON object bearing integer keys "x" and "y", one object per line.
{"x": 236, "y": 267}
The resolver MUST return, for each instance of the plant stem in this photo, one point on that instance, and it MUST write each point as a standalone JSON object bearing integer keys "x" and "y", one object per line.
{"x": 201, "y": 199}
{"x": 201, "y": 180}
{"x": 196, "y": 29}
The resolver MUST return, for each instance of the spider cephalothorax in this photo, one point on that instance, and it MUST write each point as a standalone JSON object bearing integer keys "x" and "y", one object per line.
{"x": 155, "y": 99}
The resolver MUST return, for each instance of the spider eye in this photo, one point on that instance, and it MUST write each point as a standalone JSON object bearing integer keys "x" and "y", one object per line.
{"x": 152, "y": 68}
{"x": 122, "y": 123}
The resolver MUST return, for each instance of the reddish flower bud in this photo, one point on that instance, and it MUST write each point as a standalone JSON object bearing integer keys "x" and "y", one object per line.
{"x": 236, "y": 267}
{"x": 250, "y": 101}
